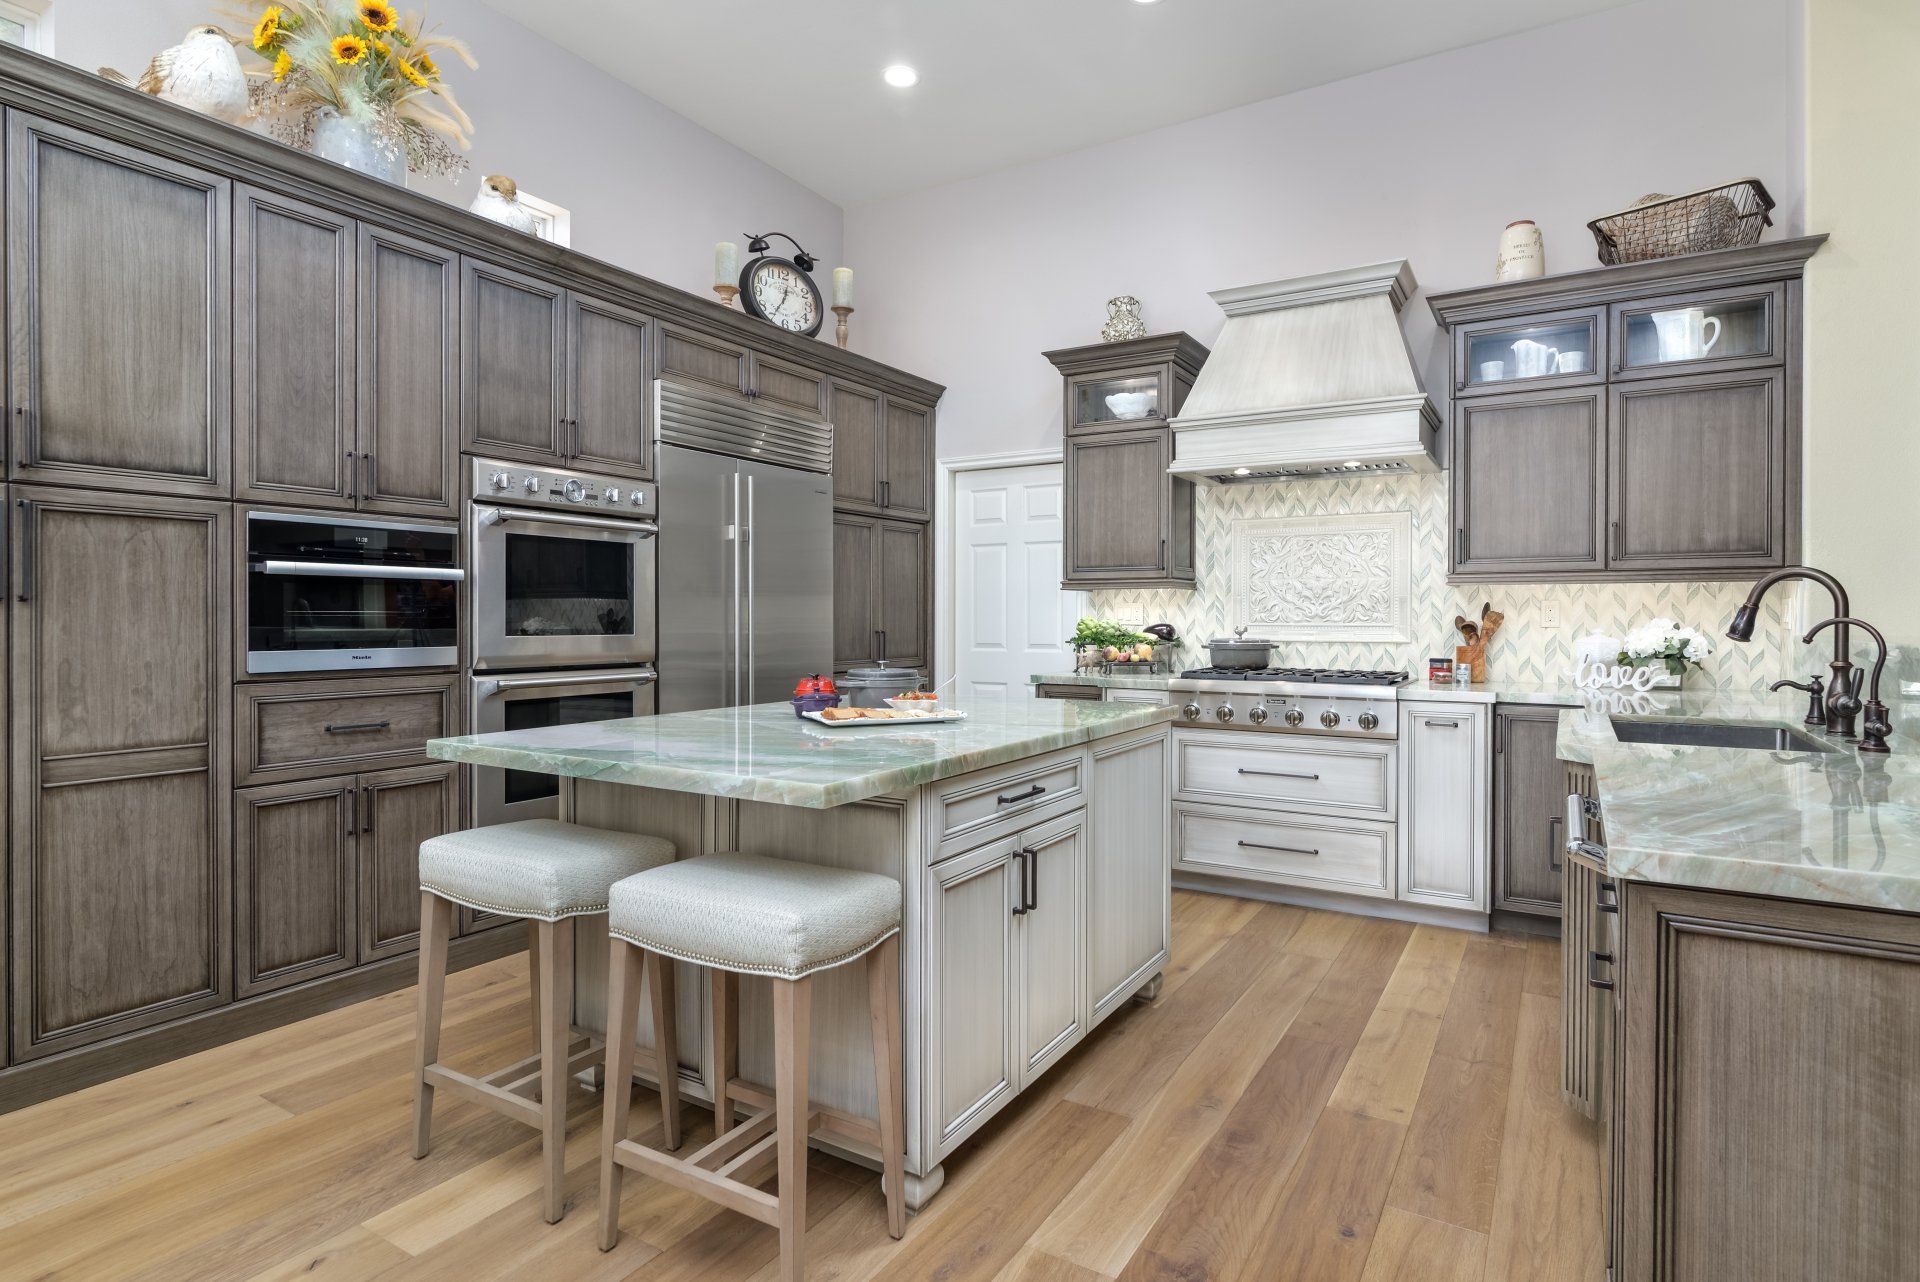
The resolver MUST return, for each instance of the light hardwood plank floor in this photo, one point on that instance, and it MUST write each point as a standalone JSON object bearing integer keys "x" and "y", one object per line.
{"x": 1313, "y": 1096}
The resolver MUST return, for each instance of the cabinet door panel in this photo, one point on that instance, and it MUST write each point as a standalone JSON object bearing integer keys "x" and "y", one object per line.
{"x": 1444, "y": 849}
{"x": 788, "y": 386}
{"x": 121, "y": 762}
{"x": 1529, "y": 812}
{"x": 1527, "y": 479}
{"x": 855, "y": 413}
{"x": 513, "y": 337}
{"x": 293, "y": 883}
{"x": 118, "y": 267}
{"x": 1129, "y": 881}
{"x": 409, "y": 372}
{"x": 399, "y": 809}
{"x": 713, "y": 361}
{"x": 1698, "y": 472}
{"x": 904, "y": 594}
{"x": 610, "y": 395}
{"x": 907, "y": 483}
{"x": 1052, "y": 936}
{"x": 293, "y": 339}
{"x": 971, "y": 1068}
{"x": 856, "y": 608}
{"x": 1117, "y": 495}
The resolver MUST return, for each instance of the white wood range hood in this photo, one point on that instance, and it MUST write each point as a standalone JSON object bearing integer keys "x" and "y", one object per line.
{"x": 1310, "y": 377}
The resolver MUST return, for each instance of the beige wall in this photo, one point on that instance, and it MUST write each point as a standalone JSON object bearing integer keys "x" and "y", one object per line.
{"x": 1863, "y": 345}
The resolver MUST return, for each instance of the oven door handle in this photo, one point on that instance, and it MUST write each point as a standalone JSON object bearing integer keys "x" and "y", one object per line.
{"x": 348, "y": 570}
{"x": 500, "y": 516}
{"x": 490, "y": 686}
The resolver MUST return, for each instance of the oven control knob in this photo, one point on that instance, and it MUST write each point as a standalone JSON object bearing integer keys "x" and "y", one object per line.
{"x": 1369, "y": 722}
{"x": 613, "y": 494}
{"x": 639, "y": 498}
{"x": 531, "y": 484}
{"x": 1224, "y": 712}
{"x": 1191, "y": 712}
{"x": 1258, "y": 714}
{"x": 1330, "y": 719}
{"x": 1294, "y": 716}
{"x": 575, "y": 491}
{"x": 500, "y": 480}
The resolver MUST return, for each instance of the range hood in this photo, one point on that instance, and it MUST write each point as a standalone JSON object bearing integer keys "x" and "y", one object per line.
{"x": 1311, "y": 377}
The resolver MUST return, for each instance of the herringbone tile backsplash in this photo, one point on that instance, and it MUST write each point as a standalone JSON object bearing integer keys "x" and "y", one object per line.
{"x": 1523, "y": 652}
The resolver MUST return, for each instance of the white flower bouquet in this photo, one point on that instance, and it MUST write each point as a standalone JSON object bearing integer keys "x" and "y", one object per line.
{"x": 1664, "y": 643}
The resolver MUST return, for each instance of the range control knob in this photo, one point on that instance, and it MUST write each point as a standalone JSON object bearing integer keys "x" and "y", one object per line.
{"x": 639, "y": 498}
{"x": 531, "y": 484}
{"x": 613, "y": 494}
{"x": 1258, "y": 714}
{"x": 1191, "y": 712}
{"x": 500, "y": 480}
{"x": 1369, "y": 722}
{"x": 1330, "y": 719}
{"x": 1294, "y": 716}
{"x": 1224, "y": 712}
{"x": 575, "y": 491}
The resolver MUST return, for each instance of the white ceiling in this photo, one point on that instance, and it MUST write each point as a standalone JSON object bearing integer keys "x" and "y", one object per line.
{"x": 1001, "y": 81}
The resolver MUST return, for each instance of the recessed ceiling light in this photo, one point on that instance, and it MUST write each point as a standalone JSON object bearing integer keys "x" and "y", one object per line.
{"x": 901, "y": 76}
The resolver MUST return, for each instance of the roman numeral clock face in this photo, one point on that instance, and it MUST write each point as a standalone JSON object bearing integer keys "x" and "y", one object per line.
{"x": 783, "y": 295}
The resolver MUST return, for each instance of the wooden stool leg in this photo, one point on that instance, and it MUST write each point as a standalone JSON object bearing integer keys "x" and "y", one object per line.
{"x": 556, "y": 1003}
{"x": 724, "y": 996}
{"x": 883, "y": 1004}
{"x": 533, "y": 977}
{"x": 436, "y": 927}
{"x": 792, "y": 1029}
{"x": 666, "y": 1046}
{"x": 623, "y": 1012}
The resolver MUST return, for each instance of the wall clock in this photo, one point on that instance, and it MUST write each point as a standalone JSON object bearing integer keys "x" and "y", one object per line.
{"x": 781, "y": 291}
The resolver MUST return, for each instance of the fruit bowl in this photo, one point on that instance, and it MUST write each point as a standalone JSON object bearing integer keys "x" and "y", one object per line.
{"x": 1130, "y": 404}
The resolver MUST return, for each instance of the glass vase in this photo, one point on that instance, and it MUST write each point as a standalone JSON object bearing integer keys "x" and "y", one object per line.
{"x": 354, "y": 144}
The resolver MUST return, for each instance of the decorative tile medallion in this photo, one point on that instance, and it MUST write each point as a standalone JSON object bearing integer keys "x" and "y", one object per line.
{"x": 1324, "y": 578}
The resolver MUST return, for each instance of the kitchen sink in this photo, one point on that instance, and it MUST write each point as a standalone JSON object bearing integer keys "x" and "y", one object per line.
{"x": 1698, "y": 734}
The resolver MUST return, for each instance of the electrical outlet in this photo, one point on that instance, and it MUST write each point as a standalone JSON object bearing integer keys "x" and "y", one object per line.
{"x": 1134, "y": 615}
{"x": 1550, "y": 616}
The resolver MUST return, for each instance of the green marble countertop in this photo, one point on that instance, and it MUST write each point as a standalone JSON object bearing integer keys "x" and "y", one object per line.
{"x": 765, "y": 753}
{"x": 1835, "y": 827}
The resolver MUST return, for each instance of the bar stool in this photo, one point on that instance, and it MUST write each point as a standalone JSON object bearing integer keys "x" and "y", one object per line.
{"x": 749, "y": 915}
{"x": 546, "y": 871}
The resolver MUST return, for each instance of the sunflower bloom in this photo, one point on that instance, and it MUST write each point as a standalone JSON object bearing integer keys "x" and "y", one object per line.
{"x": 266, "y": 32}
{"x": 348, "y": 50}
{"x": 380, "y": 47}
{"x": 377, "y": 14}
{"x": 282, "y": 65}
{"x": 412, "y": 73}
{"x": 426, "y": 66}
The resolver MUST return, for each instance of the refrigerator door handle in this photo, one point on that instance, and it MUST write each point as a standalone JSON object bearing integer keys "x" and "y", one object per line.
{"x": 747, "y": 552}
{"x": 737, "y": 533}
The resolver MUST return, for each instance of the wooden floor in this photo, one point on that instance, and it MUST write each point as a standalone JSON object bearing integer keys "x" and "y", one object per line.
{"x": 1313, "y": 1096}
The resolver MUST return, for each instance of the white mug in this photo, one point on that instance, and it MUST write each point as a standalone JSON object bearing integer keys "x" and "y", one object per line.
{"x": 1570, "y": 363}
{"x": 1686, "y": 334}
{"x": 1492, "y": 371}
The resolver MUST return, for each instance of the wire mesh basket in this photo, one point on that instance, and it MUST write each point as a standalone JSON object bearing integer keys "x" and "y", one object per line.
{"x": 1723, "y": 217}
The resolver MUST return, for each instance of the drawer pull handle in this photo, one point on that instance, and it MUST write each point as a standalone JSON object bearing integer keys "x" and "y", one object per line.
{"x": 1595, "y": 959}
{"x": 1028, "y": 795}
{"x": 1279, "y": 774}
{"x": 1448, "y": 725}
{"x": 1606, "y": 896}
{"x": 1285, "y": 850}
{"x": 348, "y": 727}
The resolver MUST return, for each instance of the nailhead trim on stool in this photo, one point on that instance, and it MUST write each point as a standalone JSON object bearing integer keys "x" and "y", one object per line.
{"x": 539, "y": 868}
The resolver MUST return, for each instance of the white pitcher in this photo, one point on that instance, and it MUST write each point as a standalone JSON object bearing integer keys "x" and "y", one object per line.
{"x": 1686, "y": 334}
{"x": 1533, "y": 360}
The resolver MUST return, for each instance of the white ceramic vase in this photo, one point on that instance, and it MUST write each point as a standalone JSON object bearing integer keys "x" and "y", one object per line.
{"x": 1523, "y": 255}
{"x": 354, "y": 145}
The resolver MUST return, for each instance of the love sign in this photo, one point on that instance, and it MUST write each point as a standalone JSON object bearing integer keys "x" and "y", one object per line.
{"x": 1603, "y": 676}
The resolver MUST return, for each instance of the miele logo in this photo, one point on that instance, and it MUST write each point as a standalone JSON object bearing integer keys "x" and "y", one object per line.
{"x": 362, "y": 658}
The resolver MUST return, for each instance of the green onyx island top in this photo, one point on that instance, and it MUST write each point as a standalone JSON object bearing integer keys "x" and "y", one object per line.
{"x": 1839, "y": 827}
{"x": 765, "y": 753}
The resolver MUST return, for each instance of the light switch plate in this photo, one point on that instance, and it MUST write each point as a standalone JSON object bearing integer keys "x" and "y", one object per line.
{"x": 1131, "y": 614}
{"x": 1549, "y": 615}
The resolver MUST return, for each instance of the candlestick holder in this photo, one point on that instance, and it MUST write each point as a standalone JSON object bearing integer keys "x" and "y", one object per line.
{"x": 840, "y": 325}
{"x": 727, "y": 293}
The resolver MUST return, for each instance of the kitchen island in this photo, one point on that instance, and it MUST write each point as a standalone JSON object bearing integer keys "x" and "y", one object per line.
{"x": 1742, "y": 993}
{"x": 1030, "y": 840}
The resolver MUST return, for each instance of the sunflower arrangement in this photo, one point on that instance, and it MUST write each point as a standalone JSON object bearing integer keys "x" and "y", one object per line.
{"x": 366, "y": 62}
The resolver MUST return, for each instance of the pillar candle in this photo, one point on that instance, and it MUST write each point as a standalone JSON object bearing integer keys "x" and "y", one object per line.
{"x": 726, "y": 263}
{"x": 843, "y": 287}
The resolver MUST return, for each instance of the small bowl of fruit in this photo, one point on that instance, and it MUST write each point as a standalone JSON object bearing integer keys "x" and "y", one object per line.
{"x": 915, "y": 701}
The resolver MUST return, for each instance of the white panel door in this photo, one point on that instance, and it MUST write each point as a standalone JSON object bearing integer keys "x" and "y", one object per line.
{"x": 1011, "y": 618}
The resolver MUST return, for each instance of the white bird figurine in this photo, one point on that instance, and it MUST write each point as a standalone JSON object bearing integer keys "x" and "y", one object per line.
{"x": 498, "y": 200}
{"x": 202, "y": 72}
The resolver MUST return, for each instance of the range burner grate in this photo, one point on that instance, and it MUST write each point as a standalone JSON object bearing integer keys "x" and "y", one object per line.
{"x": 1316, "y": 676}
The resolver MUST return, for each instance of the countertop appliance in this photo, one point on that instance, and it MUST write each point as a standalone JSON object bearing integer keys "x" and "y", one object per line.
{"x": 1322, "y": 701}
{"x": 328, "y": 593}
{"x": 746, "y": 541}
{"x": 524, "y": 701}
{"x": 564, "y": 567}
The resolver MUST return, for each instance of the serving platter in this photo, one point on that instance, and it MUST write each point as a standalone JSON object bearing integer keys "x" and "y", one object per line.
{"x": 893, "y": 722}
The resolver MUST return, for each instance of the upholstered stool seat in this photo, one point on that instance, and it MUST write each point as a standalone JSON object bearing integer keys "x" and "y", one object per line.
{"x": 546, "y": 871}
{"x": 541, "y": 869}
{"x": 756, "y": 916}
{"x": 750, "y": 915}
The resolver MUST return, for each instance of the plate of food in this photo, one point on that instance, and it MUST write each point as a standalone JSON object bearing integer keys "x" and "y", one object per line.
{"x": 916, "y": 700}
{"x": 866, "y": 717}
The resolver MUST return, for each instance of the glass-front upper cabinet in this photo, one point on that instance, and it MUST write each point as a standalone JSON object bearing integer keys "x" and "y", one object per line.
{"x": 1121, "y": 399}
{"x": 1542, "y": 351}
{"x": 1726, "y": 329}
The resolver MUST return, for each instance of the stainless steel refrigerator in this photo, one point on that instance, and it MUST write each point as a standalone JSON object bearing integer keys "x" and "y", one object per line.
{"x": 746, "y": 572}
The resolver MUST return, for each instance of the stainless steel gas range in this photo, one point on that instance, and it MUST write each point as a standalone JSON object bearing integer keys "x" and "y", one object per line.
{"x": 1319, "y": 701}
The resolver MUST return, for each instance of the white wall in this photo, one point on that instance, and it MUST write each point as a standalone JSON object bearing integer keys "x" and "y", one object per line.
{"x": 970, "y": 282}
{"x": 649, "y": 190}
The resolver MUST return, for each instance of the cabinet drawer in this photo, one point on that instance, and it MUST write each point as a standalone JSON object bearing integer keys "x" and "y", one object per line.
{"x": 1350, "y": 856}
{"x": 300, "y": 730}
{"x": 1328, "y": 778}
{"x": 990, "y": 803}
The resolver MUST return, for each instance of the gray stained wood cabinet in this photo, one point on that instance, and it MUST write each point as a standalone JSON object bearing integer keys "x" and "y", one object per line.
{"x": 1629, "y": 423}
{"x": 548, "y": 376}
{"x": 1128, "y": 523}
{"x": 882, "y": 453}
{"x": 882, "y": 599}
{"x": 120, "y": 764}
{"x": 1529, "y": 810}
{"x": 344, "y": 362}
{"x": 118, "y": 332}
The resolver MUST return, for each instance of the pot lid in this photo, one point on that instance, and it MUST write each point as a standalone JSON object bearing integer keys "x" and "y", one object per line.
{"x": 1240, "y": 637}
{"x": 881, "y": 672}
